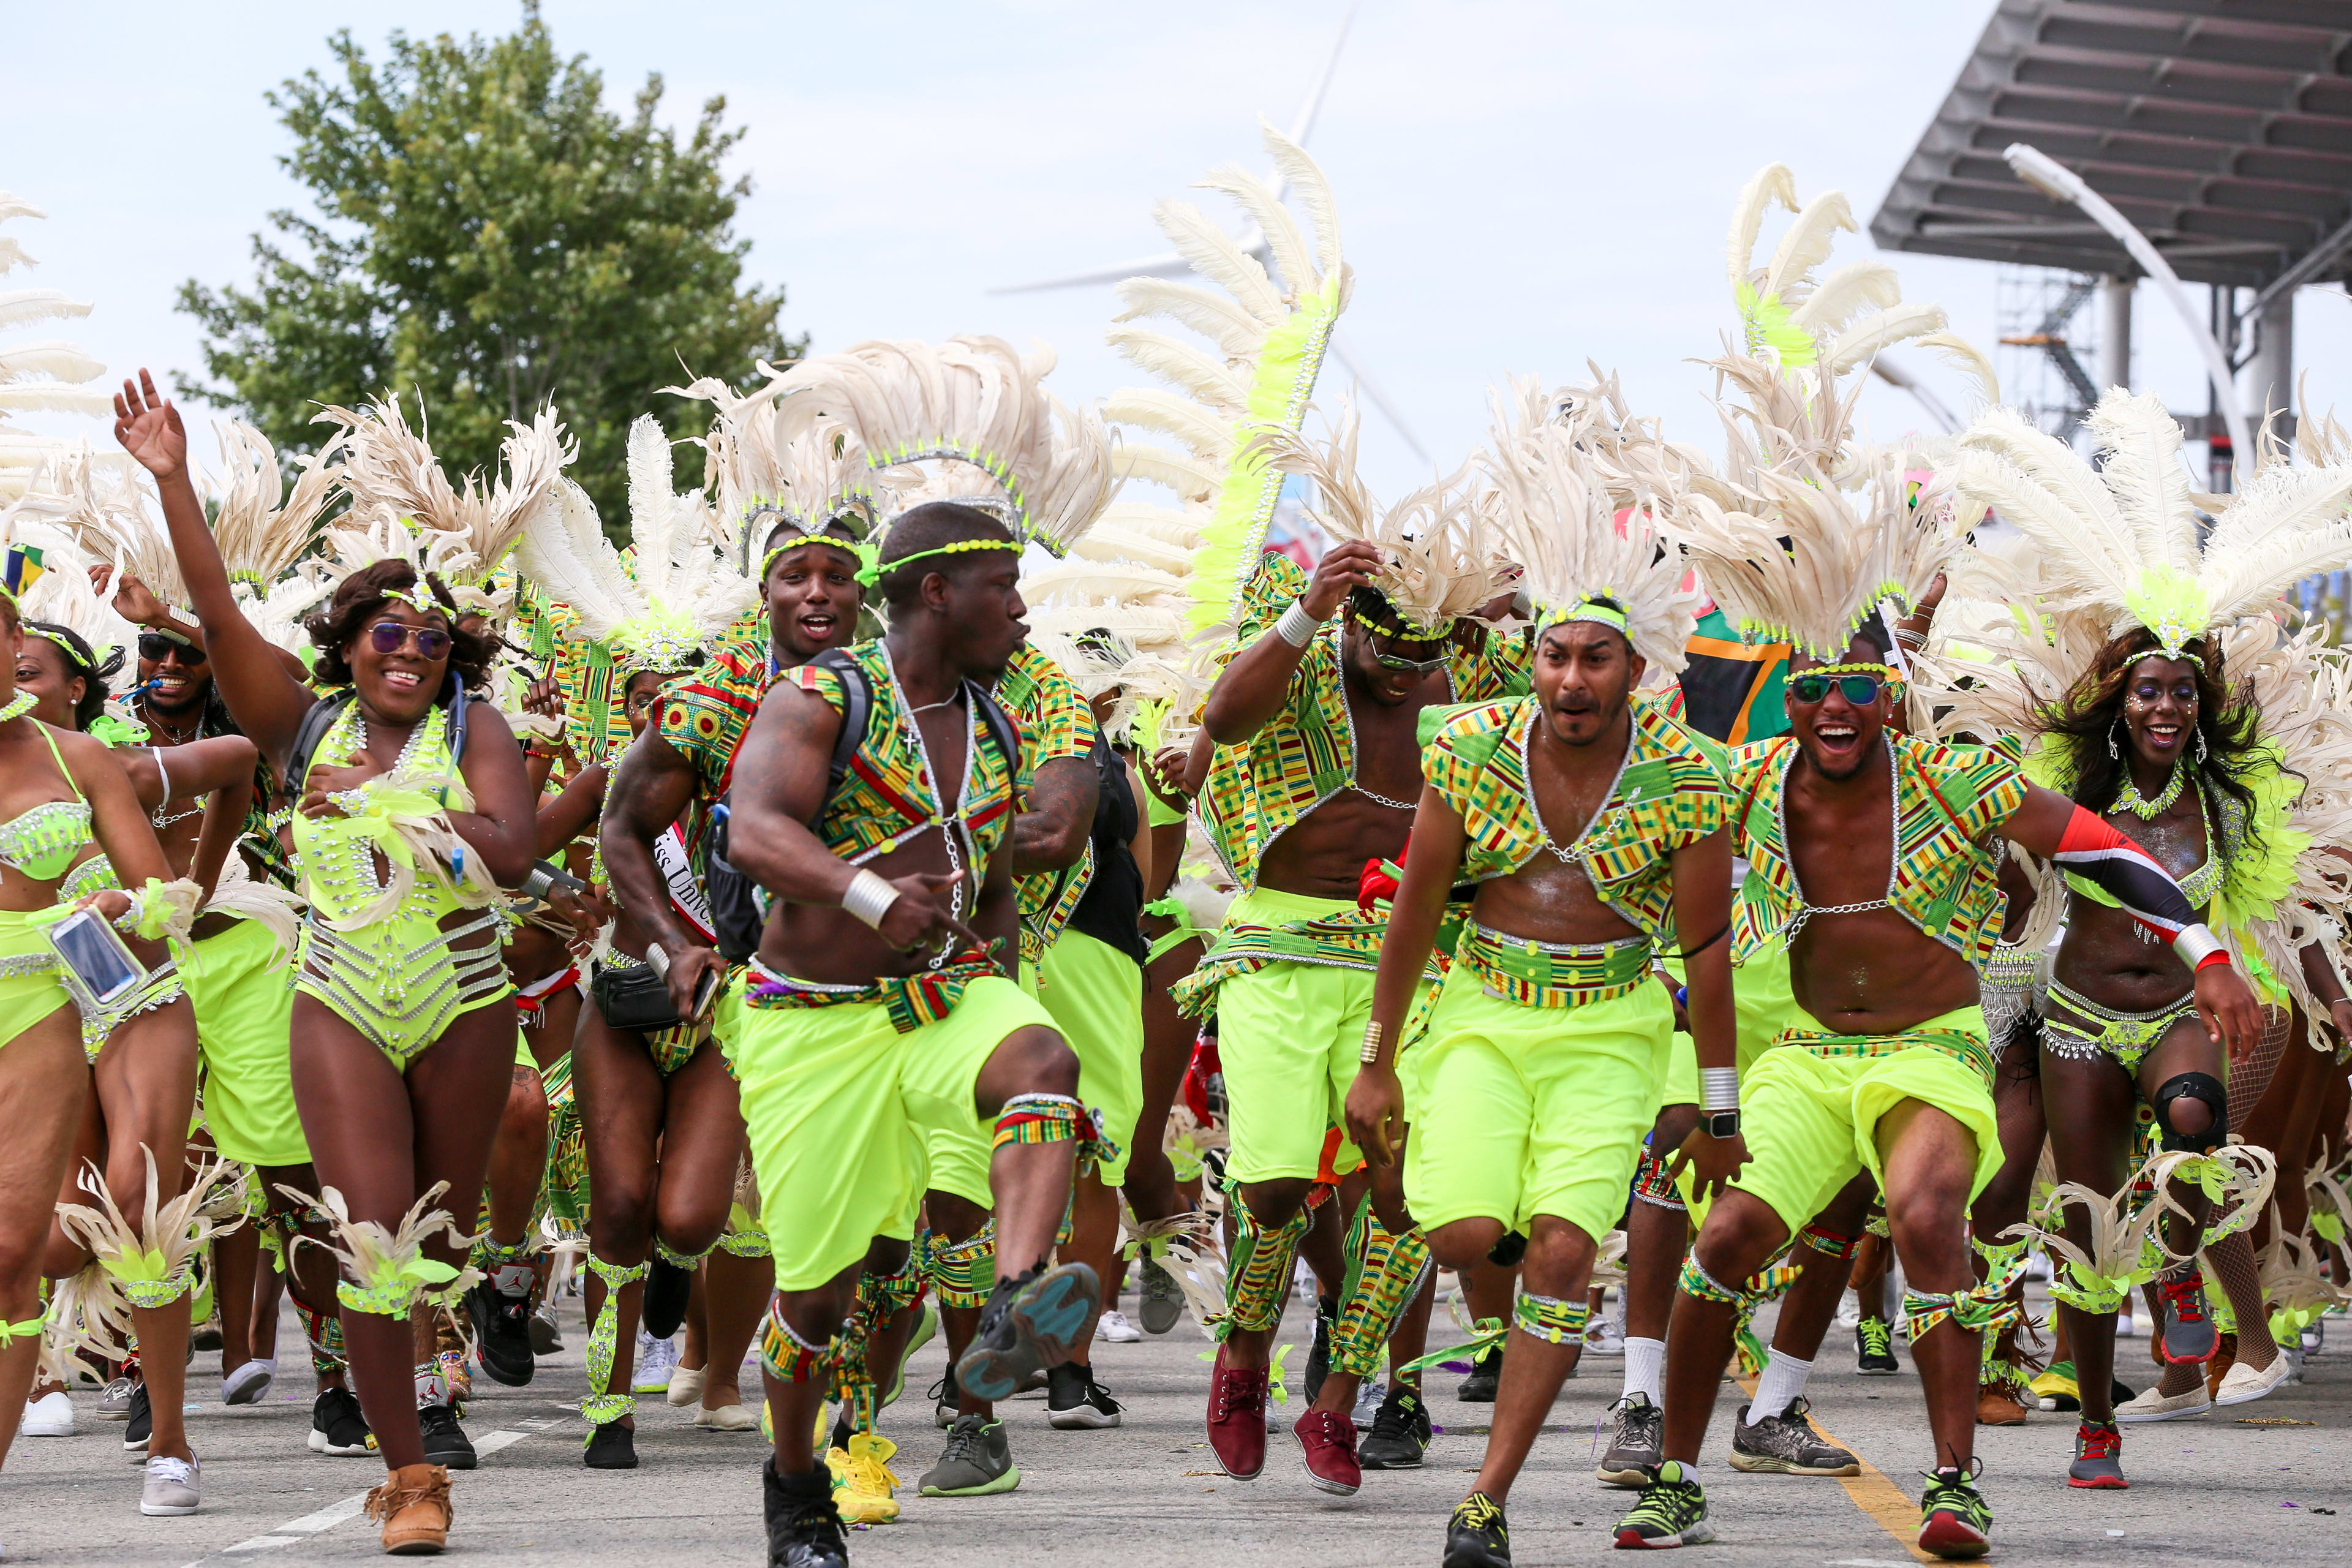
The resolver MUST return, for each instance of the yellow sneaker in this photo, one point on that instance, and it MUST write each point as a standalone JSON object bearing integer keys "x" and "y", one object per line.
{"x": 863, "y": 1486}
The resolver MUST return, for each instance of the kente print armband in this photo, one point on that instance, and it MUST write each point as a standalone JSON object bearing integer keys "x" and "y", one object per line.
{"x": 2093, "y": 850}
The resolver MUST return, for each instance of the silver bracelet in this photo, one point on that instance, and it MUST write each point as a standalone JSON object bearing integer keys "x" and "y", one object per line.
{"x": 2195, "y": 944}
{"x": 868, "y": 898}
{"x": 1719, "y": 1089}
{"x": 1297, "y": 628}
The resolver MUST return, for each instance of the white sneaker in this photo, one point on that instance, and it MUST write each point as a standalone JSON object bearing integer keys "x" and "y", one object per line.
{"x": 248, "y": 1383}
{"x": 1114, "y": 1327}
{"x": 2151, "y": 1405}
{"x": 1603, "y": 1337}
{"x": 1368, "y": 1400}
{"x": 50, "y": 1415}
{"x": 657, "y": 1359}
{"x": 2241, "y": 1385}
{"x": 169, "y": 1489}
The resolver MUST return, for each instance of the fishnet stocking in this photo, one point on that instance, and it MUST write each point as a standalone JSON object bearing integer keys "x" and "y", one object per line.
{"x": 2230, "y": 1264}
{"x": 2248, "y": 1084}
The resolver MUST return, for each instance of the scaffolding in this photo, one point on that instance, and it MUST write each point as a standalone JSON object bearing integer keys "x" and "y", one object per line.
{"x": 2047, "y": 340}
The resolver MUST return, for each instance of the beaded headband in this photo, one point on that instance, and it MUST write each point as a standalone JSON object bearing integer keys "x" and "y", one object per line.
{"x": 871, "y": 573}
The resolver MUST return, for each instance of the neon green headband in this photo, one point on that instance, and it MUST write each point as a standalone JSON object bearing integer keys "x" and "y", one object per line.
{"x": 420, "y": 598}
{"x": 862, "y": 550}
{"x": 1587, "y": 607}
{"x": 871, "y": 573}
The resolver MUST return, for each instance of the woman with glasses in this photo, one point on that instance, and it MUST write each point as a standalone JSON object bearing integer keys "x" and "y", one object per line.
{"x": 412, "y": 811}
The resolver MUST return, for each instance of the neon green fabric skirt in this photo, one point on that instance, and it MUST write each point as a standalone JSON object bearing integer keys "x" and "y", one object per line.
{"x": 29, "y": 988}
{"x": 1095, "y": 993}
{"x": 240, "y": 985}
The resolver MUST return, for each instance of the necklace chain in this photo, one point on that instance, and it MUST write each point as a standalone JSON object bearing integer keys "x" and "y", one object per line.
{"x": 2129, "y": 799}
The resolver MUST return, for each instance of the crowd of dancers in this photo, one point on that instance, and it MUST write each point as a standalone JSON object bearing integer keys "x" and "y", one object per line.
{"x": 913, "y": 881}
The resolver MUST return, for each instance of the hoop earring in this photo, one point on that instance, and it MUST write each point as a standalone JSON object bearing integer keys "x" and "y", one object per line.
{"x": 2114, "y": 751}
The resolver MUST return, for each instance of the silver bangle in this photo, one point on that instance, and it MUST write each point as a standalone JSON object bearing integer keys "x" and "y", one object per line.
{"x": 1297, "y": 628}
{"x": 2195, "y": 944}
{"x": 868, "y": 898}
{"x": 1371, "y": 1055}
{"x": 1719, "y": 1089}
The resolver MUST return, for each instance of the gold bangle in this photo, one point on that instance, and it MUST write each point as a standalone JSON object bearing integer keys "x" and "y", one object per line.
{"x": 1370, "y": 1054}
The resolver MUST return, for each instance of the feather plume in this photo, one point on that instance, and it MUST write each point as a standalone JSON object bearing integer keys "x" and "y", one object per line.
{"x": 1283, "y": 242}
{"x": 1897, "y": 324}
{"x": 51, "y": 357}
{"x": 1770, "y": 184}
{"x": 1191, "y": 370}
{"x": 1214, "y": 255}
{"x": 1846, "y": 293}
{"x": 1314, "y": 192}
{"x": 1236, "y": 333}
{"x": 162, "y": 1247}
{"x": 1967, "y": 359}
{"x": 21, "y": 307}
{"x": 1806, "y": 246}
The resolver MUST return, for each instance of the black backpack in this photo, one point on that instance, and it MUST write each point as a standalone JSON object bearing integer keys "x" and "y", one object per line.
{"x": 322, "y": 715}
{"x": 738, "y": 906}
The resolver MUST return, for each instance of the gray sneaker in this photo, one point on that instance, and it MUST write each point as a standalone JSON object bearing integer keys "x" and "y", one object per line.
{"x": 1637, "y": 1442}
{"x": 977, "y": 1461}
{"x": 2189, "y": 1337}
{"x": 1786, "y": 1445}
{"x": 170, "y": 1487}
{"x": 1162, "y": 1304}
{"x": 114, "y": 1404}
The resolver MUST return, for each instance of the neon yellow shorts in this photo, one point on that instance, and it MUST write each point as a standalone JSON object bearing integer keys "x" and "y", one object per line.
{"x": 240, "y": 985}
{"x": 840, "y": 1105}
{"x": 1765, "y": 1005}
{"x": 1289, "y": 1035}
{"x": 1527, "y": 1110}
{"x": 29, "y": 987}
{"x": 1811, "y": 1107}
{"x": 1095, "y": 993}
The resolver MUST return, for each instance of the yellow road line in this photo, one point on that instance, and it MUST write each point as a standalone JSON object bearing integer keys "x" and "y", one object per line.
{"x": 1871, "y": 1492}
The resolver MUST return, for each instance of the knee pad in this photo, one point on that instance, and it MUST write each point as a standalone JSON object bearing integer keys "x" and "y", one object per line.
{"x": 2193, "y": 1086}
{"x": 1507, "y": 1252}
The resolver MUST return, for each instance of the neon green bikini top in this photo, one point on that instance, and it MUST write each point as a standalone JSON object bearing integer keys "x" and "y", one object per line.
{"x": 41, "y": 843}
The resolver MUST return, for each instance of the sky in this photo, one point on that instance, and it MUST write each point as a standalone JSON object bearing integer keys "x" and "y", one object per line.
{"x": 1522, "y": 187}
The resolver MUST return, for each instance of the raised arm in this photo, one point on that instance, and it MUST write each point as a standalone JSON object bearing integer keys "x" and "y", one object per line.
{"x": 1432, "y": 859}
{"x": 1256, "y": 683}
{"x": 266, "y": 701}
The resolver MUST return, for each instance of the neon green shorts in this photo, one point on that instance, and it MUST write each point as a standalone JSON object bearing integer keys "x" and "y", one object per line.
{"x": 239, "y": 985}
{"x": 840, "y": 1106}
{"x": 1811, "y": 1107}
{"x": 1289, "y": 1035}
{"x": 1527, "y": 1110}
{"x": 1765, "y": 1005}
{"x": 1095, "y": 993}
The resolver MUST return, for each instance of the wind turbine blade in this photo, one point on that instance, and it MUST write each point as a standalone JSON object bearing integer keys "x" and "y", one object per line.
{"x": 1304, "y": 126}
{"x": 1168, "y": 264}
{"x": 1373, "y": 395}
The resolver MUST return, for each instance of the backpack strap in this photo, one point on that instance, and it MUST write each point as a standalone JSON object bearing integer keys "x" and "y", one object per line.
{"x": 309, "y": 733}
{"x": 856, "y": 714}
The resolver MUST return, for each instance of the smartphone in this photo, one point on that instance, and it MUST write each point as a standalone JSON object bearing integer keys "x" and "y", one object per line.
{"x": 98, "y": 966}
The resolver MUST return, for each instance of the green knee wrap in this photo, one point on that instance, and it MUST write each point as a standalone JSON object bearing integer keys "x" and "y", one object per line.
{"x": 1259, "y": 1281}
{"x": 880, "y": 1298}
{"x": 601, "y": 1406}
{"x": 962, "y": 1272}
{"x": 1385, "y": 1272}
{"x": 1550, "y": 1319}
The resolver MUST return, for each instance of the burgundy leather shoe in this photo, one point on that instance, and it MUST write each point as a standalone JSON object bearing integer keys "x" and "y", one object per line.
{"x": 1237, "y": 1419}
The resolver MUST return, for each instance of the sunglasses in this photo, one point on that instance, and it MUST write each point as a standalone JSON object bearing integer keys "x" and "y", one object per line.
{"x": 386, "y": 637}
{"x": 1403, "y": 666}
{"x": 1859, "y": 690}
{"x": 155, "y": 647}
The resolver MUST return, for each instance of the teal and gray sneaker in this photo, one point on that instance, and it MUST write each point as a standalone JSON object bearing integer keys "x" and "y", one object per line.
{"x": 1476, "y": 1537}
{"x": 1672, "y": 1512}
{"x": 1955, "y": 1521}
{"x": 977, "y": 1461}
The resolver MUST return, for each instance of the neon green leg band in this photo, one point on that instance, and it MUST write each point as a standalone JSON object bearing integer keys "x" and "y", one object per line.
{"x": 1259, "y": 1280}
{"x": 601, "y": 1406}
{"x": 1550, "y": 1319}
{"x": 1385, "y": 1272}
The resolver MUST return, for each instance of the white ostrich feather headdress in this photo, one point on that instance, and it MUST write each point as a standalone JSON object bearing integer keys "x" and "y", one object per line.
{"x": 765, "y": 468}
{"x": 660, "y": 609}
{"x": 41, "y": 375}
{"x": 1557, "y": 463}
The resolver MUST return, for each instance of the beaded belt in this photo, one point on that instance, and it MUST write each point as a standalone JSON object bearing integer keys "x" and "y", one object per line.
{"x": 1552, "y": 973}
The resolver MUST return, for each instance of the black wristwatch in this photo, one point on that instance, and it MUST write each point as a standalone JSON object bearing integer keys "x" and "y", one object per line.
{"x": 1721, "y": 1124}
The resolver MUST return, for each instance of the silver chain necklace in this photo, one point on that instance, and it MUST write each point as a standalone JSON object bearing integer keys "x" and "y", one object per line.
{"x": 1806, "y": 912}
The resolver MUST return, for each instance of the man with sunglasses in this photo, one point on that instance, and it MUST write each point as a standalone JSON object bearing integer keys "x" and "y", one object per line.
{"x": 1316, "y": 775}
{"x": 1874, "y": 859}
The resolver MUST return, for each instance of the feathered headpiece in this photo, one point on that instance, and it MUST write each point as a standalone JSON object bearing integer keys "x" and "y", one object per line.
{"x": 45, "y": 375}
{"x": 1269, "y": 342}
{"x": 391, "y": 478}
{"x": 765, "y": 470}
{"x": 1556, "y": 463}
{"x": 683, "y": 591}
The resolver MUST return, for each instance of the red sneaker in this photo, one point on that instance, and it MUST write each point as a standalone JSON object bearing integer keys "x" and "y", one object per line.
{"x": 1237, "y": 1419}
{"x": 1330, "y": 1441}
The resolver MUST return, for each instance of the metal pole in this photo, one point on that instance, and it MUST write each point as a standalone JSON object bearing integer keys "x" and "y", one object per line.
{"x": 2115, "y": 333}
{"x": 2274, "y": 388}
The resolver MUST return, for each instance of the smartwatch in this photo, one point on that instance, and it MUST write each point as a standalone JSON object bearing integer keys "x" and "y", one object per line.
{"x": 1721, "y": 1124}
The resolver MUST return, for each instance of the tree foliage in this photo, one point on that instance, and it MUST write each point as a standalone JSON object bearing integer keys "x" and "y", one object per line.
{"x": 489, "y": 235}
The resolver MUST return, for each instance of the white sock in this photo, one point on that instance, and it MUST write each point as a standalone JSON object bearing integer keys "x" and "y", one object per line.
{"x": 1783, "y": 1380}
{"x": 1645, "y": 1362}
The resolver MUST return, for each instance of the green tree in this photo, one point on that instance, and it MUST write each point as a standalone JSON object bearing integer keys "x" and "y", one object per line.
{"x": 489, "y": 235}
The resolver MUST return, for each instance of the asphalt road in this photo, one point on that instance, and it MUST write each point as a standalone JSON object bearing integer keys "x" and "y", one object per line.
{"x": 2213, "y": 1490}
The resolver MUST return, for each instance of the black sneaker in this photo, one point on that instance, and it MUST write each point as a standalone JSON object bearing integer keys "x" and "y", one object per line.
{"x": 944, "y": 1405}
{"x": 446, "y": 1442}
{"x": 1485, "y": 1377}
{"x": 1476, "y": 1537}
{"x": 337, "y": 1426}
{"x": 142, "y": 1422}
{"x": 1074, "y": 1402}
{"x": 501, "y": 1333}
{"x": 804, "y": 1527}
{"x": 1318, "y": 1355}
{"x": 1955, "y": 1521}
{"x": 1637, "y": 1442}
{"x": 1874, "y": 1349}
{"x": 1029, "y": 1324}
{"x": 1400, "y": 1436}
{"x": 610, "y": 1447}
{"x": 1672, "y": 1512}
{"x": 2188, "y": 1336}
{"x": 663, "y": 1307}
{"x": 1787, "y": 1445}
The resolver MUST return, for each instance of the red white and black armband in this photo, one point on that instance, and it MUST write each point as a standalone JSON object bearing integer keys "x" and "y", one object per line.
{"x": 2091, "y": 849}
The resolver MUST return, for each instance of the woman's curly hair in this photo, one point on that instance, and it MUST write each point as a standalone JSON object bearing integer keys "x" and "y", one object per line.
{"x": 82, "y": 663}
{"x": 362, "y": 595}
{"x": 2091, "y": 713}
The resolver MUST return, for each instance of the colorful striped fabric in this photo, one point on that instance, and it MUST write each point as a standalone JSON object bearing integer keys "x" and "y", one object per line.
{"x": 1969, "y": 1050}
{"x": 1549, "y": 975}
{"x": 1054, "y": 722}
{"x": 1350, "y": 939}
{"x": 1949, "y": 802}
{"x": 910, "y": 1000}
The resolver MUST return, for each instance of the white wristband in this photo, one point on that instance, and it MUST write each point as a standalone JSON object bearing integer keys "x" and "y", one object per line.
{"x": 1720, "y": 1087}
{"x": 868, "y": 898}
{"x": 2195, "y": 944}
{"x": 1297, "y": 628}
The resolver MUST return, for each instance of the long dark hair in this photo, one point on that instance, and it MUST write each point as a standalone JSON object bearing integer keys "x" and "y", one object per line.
{"x": 2092, "y": 712}
{"x": 360, "y": 596}
{"x": 81, "y": 663}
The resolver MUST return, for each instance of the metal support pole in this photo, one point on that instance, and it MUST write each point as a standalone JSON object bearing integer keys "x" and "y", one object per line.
{"x": 2274, "y": 388}
{"x": 2115, "y": 333}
